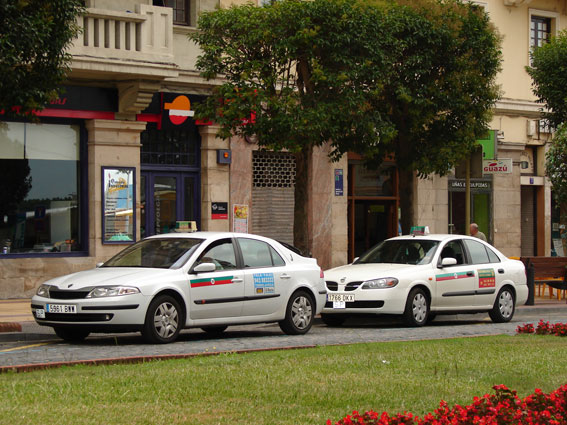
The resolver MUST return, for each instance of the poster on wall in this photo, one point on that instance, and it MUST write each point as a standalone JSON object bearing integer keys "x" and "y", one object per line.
{"x": 240, "y": 218}
{"x": 118, "y": 201}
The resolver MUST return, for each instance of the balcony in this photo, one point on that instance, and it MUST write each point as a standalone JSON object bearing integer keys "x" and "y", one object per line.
{"x": 125, "y": 45}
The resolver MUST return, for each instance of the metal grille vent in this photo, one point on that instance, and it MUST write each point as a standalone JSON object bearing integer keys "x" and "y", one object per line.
{"x": 273, "y": 169}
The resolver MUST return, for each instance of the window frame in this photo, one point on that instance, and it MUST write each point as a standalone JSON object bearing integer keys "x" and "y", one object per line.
{"x": 544, "y": 14}
{"x": 83, "y": 196}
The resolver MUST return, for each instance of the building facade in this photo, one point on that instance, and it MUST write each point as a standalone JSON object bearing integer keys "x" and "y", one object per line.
{"x": 512, "y": 203}
{"x": 119, "y": 157}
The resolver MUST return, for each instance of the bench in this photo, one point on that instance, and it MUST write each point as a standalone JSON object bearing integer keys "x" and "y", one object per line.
{"x": 548, "y": 272}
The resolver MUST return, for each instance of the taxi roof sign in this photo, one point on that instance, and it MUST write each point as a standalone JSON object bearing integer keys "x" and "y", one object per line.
{"x": 419, "y": 230}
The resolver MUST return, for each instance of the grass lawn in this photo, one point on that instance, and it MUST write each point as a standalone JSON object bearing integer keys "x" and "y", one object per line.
{"x": 286, "y": 387}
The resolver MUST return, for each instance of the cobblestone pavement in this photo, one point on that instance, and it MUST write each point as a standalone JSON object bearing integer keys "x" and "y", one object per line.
{"x": 38, "y": 345}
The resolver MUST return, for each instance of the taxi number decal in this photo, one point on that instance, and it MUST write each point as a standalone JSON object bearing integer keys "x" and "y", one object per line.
{"x": 224, "y": 280}
{"x": 486, "y": 278}
{"x": 264, "y": 283}
{"x": 451, "y": 276}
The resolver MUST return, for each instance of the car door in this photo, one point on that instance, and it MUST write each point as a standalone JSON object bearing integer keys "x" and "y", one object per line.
{"x": 266, "y": 278}
{"x": 489, "y": 271}
{"x": 220, "y": 293}
{"x": 455, "y": 285}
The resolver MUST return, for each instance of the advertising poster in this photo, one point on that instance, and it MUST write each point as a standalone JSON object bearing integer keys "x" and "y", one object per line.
{"x": 240, "y": 219}
{"x": 118, "y": 225}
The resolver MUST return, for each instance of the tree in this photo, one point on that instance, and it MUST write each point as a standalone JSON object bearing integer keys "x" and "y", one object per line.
{"x": 549, "y": 74}
{"x": 410, "y": 77}
{"x": 556, "y": 164}
{"x": 34, "y": 35}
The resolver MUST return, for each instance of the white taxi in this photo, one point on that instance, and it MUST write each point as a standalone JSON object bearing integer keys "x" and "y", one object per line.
{"x": 419, "y": 277}
{"x": 165, "y": 283}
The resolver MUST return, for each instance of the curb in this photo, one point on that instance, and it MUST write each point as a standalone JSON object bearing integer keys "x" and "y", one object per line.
{"x": 10, "y": 327}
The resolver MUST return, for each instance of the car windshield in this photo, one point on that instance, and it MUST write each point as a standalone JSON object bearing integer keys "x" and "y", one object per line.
{"x": 170, "y": 253}
{"x": 400, "y": 251}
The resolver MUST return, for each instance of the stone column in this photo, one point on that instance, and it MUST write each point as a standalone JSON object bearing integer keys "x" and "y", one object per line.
{"x": 215, "y": 179}
{"x": 329, "y": 223}
{"x": 111, "y": 144}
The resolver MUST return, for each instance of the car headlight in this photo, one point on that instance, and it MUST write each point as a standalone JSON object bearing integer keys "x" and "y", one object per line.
{"x": 382, "y": 283}
{"x": 112, "y": 291}
{"x": 43, "y": 291}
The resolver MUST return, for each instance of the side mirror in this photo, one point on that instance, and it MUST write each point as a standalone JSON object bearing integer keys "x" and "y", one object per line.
{"x": 354, "y": 261}
{"x": 448, "y": 261}
{"x": 205, "y": 268}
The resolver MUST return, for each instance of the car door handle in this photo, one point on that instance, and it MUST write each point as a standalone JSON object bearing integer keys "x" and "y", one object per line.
{"x": 470, "y": 274}
{"x": 237, "y": 280}
{"x": 501, "y": 271}
{"x": 285, "y": 276}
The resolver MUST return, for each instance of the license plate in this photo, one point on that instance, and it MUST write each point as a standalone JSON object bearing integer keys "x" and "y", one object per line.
{"x": 61, "y": 308}
{"x": 342, "y": 298}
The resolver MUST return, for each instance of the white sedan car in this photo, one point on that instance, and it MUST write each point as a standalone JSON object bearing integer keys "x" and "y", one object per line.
{"x": 422, "y": 276}
{"x": 165, "y": 283}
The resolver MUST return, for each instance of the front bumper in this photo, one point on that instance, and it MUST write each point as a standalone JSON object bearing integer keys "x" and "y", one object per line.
{"x": 122, "y": 312}
{"x": 370, "y": 301}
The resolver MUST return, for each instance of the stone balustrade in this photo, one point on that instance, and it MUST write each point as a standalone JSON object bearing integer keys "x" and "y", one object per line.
{"x": 145, "y": 35}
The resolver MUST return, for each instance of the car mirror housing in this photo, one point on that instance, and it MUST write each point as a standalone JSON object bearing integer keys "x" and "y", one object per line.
{"x": 205, "y": 268}
{"x": 448, "y": 261}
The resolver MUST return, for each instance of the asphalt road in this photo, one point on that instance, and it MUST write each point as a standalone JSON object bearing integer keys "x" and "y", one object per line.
{"x": 38, "y": 346}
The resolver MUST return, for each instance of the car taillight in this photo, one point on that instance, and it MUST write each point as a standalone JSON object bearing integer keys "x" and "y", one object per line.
{"x": 321, "y": 274}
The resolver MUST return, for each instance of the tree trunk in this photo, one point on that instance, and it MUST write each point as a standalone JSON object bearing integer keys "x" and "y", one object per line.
{"x": 407, "y": 199}
{"x": 301, "y": 230}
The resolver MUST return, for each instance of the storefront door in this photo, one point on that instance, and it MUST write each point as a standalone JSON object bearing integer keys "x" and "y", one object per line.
{"x": 167, "y": 198}
{"x": 374, "y": 221}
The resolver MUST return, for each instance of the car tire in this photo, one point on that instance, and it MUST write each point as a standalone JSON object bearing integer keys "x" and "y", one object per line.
{"x": 164, "y": 320}
{"x": 504, "y": 306}
{"x": 71, "y": 334}
{"x": 214, "y": 330}
{"x": 333, "y": 320}
{"x": 299, "y": 314}
{"x": 417, "y": 308}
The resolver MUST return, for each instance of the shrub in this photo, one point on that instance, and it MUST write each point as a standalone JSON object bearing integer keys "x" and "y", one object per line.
{"x": 502, "y": 408}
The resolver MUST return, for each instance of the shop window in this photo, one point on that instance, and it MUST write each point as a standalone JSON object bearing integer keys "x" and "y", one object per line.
{"x": 170, "y": 147}
{"x": 40, "y": 188}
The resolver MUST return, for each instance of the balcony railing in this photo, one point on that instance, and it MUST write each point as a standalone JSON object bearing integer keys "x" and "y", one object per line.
{"x": 144, "y": 36}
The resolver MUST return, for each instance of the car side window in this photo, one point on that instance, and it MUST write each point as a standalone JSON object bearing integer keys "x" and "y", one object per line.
{"x": 276, "y": 258}
{"x": 255, "y": 253}
{"x": 221, "y": 253}
{"x": 454, "y": 249}
{"x": 480, "y": 254}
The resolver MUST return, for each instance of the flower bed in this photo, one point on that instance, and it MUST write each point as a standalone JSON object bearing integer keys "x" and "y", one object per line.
{"x": 543, "y": 328}
{"x": 502, "y": 408}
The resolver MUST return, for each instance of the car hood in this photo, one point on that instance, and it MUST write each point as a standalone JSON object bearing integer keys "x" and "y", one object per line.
{"x": 356, "y": 272}
{"x": 105, "y": 276}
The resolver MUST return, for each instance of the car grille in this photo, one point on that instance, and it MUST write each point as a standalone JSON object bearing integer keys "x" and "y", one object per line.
{"x": 61, "y": 294}
{"x": 359, "y": 304}
{"x": 334, "y": 286}
{"x": 80, "y": 317}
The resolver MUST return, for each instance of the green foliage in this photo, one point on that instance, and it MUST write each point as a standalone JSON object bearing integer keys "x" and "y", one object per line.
{"x": 34, "y": 35}
{"x": 549, "y": 74}
{"x": 413, "y": 78}
{"x": 556, "y": 164}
